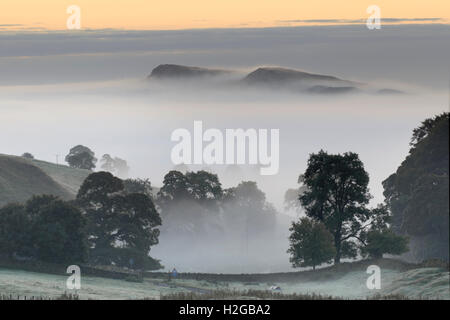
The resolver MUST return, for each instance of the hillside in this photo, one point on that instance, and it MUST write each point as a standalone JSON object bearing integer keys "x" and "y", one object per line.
{"x": 272, "y": 77}
{"x": 22, "y": 178}
{"x": 173, "y": 71}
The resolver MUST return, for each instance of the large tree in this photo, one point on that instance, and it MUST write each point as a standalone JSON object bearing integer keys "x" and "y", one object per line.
{"x": 14, "y": 230}
{"x": 81, "y": 157}
{"x": 311, "y": 244}
{"x": 45, "y": 228}
{"x": 175, "y": 188}
{"x": 190, "y": 202}
{"x": 116, "y": 166}
{"x": 98, "y": 200}
{"x": 138, "y": 221}
{"x": 204, "y": 187}
{"x": 201, "y": 187}
{"x": 417, "y": 193}
{"x": 58, "y": 231}
{"x": 122, "y": 226}
{"x": 337, "y": 194}
{"x": 245, "y": 205}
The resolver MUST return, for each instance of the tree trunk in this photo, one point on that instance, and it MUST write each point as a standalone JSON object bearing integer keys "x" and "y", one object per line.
{"x": 337, "y": 241}
{"x": 337, "y": 244}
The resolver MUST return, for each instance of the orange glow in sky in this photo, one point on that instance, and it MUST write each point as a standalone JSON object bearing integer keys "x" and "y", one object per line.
{"x": 185, "y": 14}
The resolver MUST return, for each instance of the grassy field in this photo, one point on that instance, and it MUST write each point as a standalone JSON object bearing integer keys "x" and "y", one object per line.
{"x": 67, "y": 177}
{"x": 399, "y": 281}
{"x": 22, "y": 178}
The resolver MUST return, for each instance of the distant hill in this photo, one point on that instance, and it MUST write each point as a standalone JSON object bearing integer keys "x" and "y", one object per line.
{"x": 274, "y": 77}
{"x": 173, "y": 71}
{"x": 22, "y": 178}
{"x": 280, "y": 76}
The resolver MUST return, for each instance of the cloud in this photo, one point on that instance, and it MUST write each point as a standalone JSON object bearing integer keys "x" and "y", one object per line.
{"x": 352, "y": 21}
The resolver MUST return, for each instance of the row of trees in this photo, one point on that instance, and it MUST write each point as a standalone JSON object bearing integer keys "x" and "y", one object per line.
{"x": 197, "y": 200}
{"x": 116, "y": 222}
{"x": 82, "y": 157}
{"x": 44, "y": 228}
{"x": 334, "y": 195}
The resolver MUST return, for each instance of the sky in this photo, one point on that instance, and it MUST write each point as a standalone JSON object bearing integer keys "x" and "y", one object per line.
{"x": 181, "y": 14}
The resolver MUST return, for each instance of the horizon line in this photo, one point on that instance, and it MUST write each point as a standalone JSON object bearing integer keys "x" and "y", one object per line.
{"x": 289, "y": 24}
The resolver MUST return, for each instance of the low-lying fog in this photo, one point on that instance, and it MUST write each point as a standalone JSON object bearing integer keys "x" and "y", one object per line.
{"x": 46, "y": 112}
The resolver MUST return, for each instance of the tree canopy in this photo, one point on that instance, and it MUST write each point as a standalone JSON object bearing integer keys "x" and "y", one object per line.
{"x": 116, "y": 166}
{"x": 417, "y": 193}
{"x": 45, "y": 228}
{"x": 378, "y": 243}
{"x": 311, "y": 244}
{"x": 337, "y": 194}
{"x": 28, "y": 155}
{"x": 122, "y": 226}
{"x": 81, "y": 157}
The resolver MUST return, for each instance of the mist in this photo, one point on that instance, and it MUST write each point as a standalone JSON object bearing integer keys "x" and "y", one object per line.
{"x": 58, "y": 91}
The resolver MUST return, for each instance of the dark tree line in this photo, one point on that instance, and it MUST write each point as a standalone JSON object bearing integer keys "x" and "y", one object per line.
{"x": 116, "y": 222}
{"x": 335, "y": 194}
{"x": 44, "y": 228}
{"x": 417, "y": 193}
{"x": 104, "y": 225}
{"x": 113, "y": 221}
{"x": 122, "y": 226}
{"x": 81, "y": 157}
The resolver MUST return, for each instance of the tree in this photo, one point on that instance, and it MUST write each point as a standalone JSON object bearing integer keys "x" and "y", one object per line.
{"x": 175, "y": 187}
{"x": 121, "y": 225}
{"x": 14, "y": 230}
{"x": 245, "y": 205}
{"x": 137, "y": 229}
{"x": 417, "y": 193}
{"x": 97, "y": 200}
{"x": 201, "y": 187}
{"x": 34, "y": 204}
{"x": 143, "y": 186}
{"x": 311, "y": 244}
{"x": 378, "y": 243}
{"x": 116, "y": 166}
{"x": 247, "y": 194}
{"x": 81, "y": 157}
{"x": 291, "y": 197}
{"x": 45, "y": 228}
{"x": 107, "y": 163}
{"x": 58, "y": 231}
{"x": 190, "y": 202}
{"x": 28, "y": 155}
{"x": 337, "y": 194}
{"x": 204, "y": 187}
